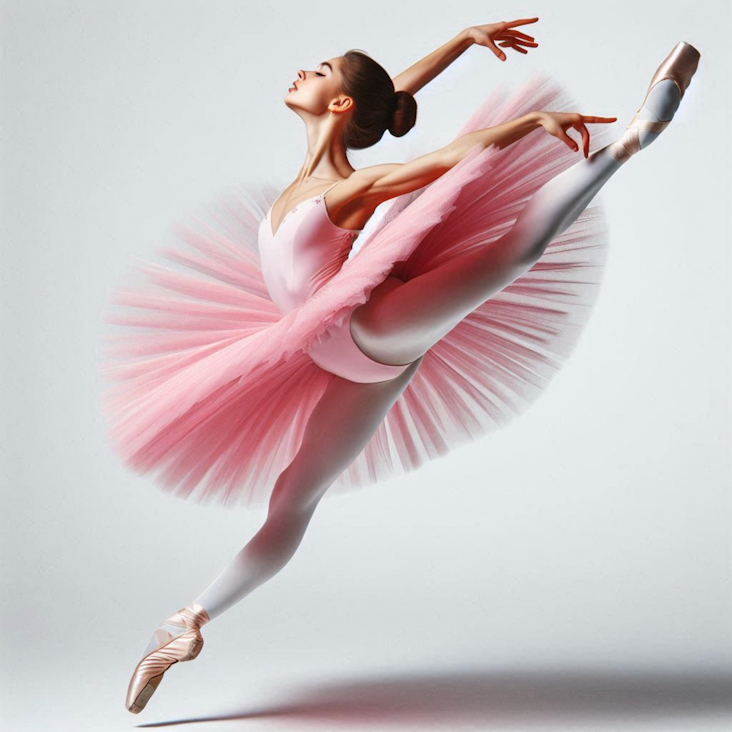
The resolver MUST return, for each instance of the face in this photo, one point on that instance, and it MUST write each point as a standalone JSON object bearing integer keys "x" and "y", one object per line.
{"x": 319, "y": 91}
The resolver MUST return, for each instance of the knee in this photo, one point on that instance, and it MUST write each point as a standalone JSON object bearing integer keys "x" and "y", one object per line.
{"x": 527, "y": 240}
{"x": 293, "y": 498}
{"x": 533, "y": 253}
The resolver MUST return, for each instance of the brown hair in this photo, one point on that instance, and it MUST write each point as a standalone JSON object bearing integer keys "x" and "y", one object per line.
{"x": 377, "y": 107}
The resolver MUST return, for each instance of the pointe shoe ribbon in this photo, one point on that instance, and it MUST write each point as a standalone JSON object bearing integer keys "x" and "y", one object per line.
{"x": 629, "y": 143}
{"x": 169, "y": 649}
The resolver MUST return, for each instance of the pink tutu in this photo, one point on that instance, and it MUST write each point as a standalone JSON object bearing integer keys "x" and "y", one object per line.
{"x": 213, "y": 386}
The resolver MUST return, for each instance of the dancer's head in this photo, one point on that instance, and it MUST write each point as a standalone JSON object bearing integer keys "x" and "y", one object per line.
{"x": 356, "y": 95}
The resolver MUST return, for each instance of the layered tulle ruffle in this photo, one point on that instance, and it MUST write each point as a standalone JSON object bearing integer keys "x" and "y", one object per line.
{"x": 212, "y": 386}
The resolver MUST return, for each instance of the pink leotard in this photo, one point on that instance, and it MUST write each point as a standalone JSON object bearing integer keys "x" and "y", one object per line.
{"x": 305, "y": 252}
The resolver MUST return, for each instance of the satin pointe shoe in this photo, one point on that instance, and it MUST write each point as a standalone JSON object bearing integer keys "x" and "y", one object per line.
{"x": 178, "y": 638}
{"x": 658, "y": 109}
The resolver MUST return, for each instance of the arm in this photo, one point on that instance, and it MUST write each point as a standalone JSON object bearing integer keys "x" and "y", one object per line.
{"x": 490, "y": 35}
{"x": 379, "y": 183}
{"x": 422, "y": 72}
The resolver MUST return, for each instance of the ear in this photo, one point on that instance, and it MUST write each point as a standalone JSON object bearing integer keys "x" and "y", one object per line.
{"x": 342, "y": 104}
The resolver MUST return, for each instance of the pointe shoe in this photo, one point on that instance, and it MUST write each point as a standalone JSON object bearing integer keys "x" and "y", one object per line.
{"x": 176, "y": 639}
{"x": 679, "y": 66}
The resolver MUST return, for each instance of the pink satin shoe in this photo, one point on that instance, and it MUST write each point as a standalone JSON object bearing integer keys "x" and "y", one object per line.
{"x": 177, "y": 639}
{"x": 679, "y": 66}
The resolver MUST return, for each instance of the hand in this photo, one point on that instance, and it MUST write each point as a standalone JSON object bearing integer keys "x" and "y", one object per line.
{"x": 555, "y": 123}
{"x": 486, "y": 35}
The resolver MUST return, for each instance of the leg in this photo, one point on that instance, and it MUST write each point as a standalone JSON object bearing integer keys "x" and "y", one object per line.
{"x": 340, "y": 426}
{"x": 402, "y": 323}
{"x": 398, "y": 324}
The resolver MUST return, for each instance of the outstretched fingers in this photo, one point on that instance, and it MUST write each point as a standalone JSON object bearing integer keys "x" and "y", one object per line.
{"x": 517, "y": 40}
{"x": 521, "y": 21}
{"x": 588, "y": 118}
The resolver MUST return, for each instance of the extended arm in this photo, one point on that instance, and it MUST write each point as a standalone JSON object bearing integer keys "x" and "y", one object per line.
{"x": 378, "y": 183}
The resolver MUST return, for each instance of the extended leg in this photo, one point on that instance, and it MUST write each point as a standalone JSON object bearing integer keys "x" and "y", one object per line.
{"x": 406, "y": 321}
{"x": 401, "y": 323}
{"x": 340, "y": 426}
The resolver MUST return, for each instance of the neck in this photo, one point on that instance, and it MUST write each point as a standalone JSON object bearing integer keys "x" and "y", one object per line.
{"x": 325, "y": 157}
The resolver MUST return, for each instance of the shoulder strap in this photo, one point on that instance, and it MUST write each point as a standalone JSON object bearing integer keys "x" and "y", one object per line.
{"x": 329, "y": 187}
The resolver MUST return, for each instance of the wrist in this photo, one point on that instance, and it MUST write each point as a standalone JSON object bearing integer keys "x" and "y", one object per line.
{"x": 465, "y": 37}
{"x": 534, "y": 118}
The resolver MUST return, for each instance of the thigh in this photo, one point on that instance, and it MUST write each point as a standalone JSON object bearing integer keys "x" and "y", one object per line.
{"x": 367, "y": 320}
{"x": 364, "y": 313}
{"x": 339, "y": 427}
{"x": 405, "y": 319}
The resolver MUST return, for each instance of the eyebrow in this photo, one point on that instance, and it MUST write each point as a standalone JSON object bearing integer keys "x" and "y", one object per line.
{"x": 325, "y": 63}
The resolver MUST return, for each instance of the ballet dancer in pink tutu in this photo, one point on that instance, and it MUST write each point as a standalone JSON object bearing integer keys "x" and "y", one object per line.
{"x": 293, "y": 364}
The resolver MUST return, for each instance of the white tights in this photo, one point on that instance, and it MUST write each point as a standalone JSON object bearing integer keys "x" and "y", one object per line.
{"x": 399, "y": 327}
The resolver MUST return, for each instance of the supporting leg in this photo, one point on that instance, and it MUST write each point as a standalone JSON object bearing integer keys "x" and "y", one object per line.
{"x": 340, "y": 426}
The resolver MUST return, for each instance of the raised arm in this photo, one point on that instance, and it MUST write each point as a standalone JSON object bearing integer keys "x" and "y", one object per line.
{"x": 426, "y": 69}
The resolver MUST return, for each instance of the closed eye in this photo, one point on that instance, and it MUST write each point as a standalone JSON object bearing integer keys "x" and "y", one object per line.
{"x": 317, "y": 73}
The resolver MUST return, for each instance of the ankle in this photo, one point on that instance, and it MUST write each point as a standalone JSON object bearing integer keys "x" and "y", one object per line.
{"x": 193, "y": 615}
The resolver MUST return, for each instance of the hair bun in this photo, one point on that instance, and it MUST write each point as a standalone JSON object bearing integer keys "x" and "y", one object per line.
{"x": 404, "y": 113}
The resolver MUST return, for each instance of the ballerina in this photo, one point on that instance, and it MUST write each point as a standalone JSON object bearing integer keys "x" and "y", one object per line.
{"x": 366, "y": 360}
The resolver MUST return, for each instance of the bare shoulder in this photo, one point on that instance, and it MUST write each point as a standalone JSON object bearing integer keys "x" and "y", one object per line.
{"x": 358, "y": 186}
{"x": 357, "y": 196}
{"x": 378, "y": 183}
{"x": 352, "y": 202}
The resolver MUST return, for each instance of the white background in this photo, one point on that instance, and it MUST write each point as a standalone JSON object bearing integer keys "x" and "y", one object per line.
{"x": 590, "y": 537}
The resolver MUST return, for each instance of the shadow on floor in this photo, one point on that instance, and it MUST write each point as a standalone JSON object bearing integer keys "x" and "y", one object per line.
{"x": 497, "y": 698}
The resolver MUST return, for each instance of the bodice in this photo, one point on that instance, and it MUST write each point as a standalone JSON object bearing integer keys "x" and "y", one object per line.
{"x": 305, "y": 252}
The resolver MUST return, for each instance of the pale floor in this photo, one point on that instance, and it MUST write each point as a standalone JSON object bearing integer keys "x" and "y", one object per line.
{"x": 217, "y": 692}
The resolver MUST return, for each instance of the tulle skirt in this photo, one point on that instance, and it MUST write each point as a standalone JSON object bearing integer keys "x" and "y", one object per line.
{"x": 211, "y": 386}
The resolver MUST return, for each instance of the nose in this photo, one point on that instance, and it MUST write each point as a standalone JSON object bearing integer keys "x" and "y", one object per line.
{"x": 300, "y": 74}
